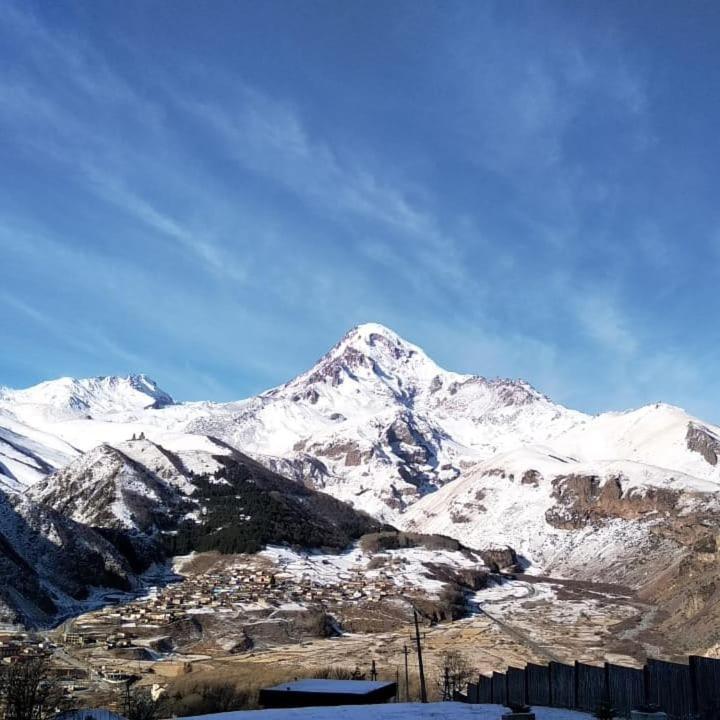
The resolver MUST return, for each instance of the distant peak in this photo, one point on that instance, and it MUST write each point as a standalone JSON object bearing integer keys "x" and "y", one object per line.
{"x": 103, "y": 393}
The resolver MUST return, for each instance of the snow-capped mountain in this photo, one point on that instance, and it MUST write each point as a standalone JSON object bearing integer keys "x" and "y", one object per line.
{"x": 67, "y": 398}
{"x": 375, "y": 422}
{"x": 32, "y": 443}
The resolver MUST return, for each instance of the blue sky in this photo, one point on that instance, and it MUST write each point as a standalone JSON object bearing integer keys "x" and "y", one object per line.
{"x": 213, "y": 193}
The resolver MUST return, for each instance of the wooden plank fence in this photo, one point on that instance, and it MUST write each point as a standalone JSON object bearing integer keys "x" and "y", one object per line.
{"x": 538, "y": 684}
{"x": 684, "y": 692}
{"x": 590, "y": 688}
{"x": 562, "y": 685}
{"x": 705, "y": 673}
{"x": 516, "y": 691}
{"x": 626, "y": 687}
{"x": 499, "y": 688}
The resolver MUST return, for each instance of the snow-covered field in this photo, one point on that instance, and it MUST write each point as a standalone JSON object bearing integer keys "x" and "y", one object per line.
{"x": 405, "y": 567}
{"x": 394, "y": 711}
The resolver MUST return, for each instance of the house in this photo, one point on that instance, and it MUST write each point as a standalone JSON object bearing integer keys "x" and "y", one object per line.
{"x": 315, "y": 692}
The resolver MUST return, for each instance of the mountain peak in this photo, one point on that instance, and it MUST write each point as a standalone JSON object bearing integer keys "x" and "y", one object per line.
{"x": 101, "y": 394}
{"x": 365, "y": 330}
{"x": 384, "y": 346}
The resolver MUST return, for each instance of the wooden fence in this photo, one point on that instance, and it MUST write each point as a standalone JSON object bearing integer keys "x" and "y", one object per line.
{"x": 684, "y": 692}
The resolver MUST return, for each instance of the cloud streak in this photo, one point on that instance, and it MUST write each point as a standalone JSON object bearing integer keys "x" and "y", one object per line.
{"x": 476, "y": 187}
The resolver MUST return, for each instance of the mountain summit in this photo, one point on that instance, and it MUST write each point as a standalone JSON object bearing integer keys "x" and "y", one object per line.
{"x": 378, "y": 423}
{"x": 68, "y": 396}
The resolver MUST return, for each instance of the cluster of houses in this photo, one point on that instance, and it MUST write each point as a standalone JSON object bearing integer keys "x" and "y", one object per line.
{"x": 16, "y": 647}
{"x": 230, "y": 590}
{"x": 111, "y": 641}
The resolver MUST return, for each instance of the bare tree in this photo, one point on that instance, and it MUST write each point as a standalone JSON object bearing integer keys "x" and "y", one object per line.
{"x": 28, "y": 691}
{"x": 454, "y": 673}
{"x": 141, "y": 705}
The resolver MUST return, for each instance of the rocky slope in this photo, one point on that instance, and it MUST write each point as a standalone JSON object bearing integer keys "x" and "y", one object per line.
{"x": 51, "y": 565}
{"x": 619, "y": 520}
{"x": 104, "y": 519}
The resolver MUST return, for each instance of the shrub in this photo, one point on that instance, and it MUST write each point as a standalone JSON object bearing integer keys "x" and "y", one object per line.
{"x": 518, "y": 707}
{"x": 604, "y": 711}
{"x": 337, "y": 672}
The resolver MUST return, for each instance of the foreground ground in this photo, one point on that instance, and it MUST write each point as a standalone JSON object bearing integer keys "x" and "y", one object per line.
{"x": 397, "y": 711}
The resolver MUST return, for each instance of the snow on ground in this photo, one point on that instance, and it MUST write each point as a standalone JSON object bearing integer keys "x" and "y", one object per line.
{"x": 506, "y": 599}
{"x": 404, "y": 567}
{"x": 393, "y": 711}
{"x": 653, "y": 434}
{"x": 505, "y": 591}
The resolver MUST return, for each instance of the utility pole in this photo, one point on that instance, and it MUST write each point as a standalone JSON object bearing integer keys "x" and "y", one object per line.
{"x": 421, "y": 669}
{"x": 406, "y": 652}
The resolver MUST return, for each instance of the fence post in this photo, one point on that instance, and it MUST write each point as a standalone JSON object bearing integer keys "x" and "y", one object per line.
{"x": 646, "y": 684}
{"x": 492, "y": 691}
{"x": 694, "y": 690}
{"x": 607, "y": 682}
{"x": 526, "y": 699}
{"x": 550, "y": 684}
{"x": 507, "y": 686}
{"x": 576, "y": 680}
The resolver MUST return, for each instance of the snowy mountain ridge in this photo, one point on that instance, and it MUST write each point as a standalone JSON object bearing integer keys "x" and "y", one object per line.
{"x": 378, "y": 424}
{"x": 69, "y": 397}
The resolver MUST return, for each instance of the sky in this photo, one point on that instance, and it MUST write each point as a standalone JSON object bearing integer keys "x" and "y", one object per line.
{"x": 213, "y": 193}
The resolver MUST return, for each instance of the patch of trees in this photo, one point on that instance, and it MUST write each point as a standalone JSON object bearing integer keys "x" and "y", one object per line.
{"x": 28, "y": 691}
{"x": 247, "y": 507}
{"x": 451, "y": 604}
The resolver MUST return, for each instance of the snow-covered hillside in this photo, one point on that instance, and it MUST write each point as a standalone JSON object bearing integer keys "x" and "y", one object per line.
{"x": 584, "y": 519}
{"x": 51, "y": 565}
{"x": 28, "y": 454}
{"x": 375, "y": 422}
{"x": 44, "y": 427}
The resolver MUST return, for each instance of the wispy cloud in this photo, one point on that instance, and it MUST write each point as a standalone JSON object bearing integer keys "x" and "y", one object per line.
{"x": 184, "y": 206}
{"x": 268, "y": 137}
{"x": 603, "y": 321}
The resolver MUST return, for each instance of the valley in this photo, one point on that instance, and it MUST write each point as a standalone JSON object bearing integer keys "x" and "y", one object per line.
{"x": 511, "y": 621}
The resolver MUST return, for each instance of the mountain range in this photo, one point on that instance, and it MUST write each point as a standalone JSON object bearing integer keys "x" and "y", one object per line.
{"x": 377, "y": 425}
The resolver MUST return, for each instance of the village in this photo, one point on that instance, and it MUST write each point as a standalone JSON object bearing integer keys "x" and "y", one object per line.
{"x": 231, "y": 591}
{"x": 161, "y": 631}
{"x": 179, "y": 636}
